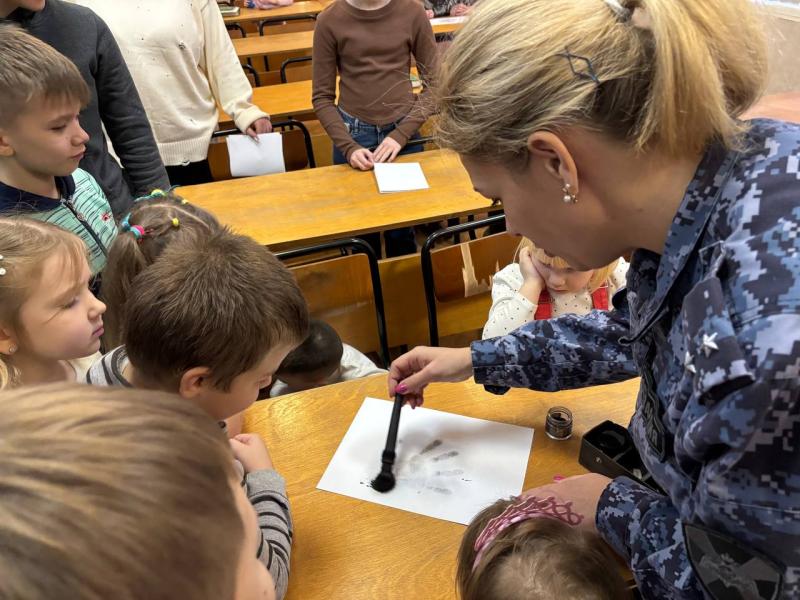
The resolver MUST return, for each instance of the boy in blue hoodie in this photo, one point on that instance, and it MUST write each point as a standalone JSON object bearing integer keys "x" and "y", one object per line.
{"x": 42, "y": 142}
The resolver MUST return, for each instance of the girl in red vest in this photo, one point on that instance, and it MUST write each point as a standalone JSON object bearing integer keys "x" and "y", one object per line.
{"x": 539, "y": 286}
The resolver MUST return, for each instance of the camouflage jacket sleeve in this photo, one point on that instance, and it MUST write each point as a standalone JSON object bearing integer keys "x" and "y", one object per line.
{"x": 557, "y": 354}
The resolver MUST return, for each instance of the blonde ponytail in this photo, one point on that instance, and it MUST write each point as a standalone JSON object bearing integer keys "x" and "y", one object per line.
{"x": 665, "y": 75}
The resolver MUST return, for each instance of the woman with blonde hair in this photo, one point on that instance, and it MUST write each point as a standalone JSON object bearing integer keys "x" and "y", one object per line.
{"x": 609, "y": 127}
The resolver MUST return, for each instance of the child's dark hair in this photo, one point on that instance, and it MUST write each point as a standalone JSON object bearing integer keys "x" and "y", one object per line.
{"x": 220, "y": 301}
{"x": 320, "y": 352}
{"x": 536, "y": 559}
{"x": 164, "y": 219}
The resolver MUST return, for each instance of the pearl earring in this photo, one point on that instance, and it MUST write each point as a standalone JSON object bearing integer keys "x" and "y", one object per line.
{"x": 12, "y": 349}
{"x": 569, "y": 196}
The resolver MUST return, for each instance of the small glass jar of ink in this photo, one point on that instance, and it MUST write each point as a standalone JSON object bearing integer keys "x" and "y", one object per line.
{"x": 558, "y": 425}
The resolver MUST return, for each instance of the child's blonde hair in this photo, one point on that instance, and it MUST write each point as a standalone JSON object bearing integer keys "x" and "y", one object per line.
{"x": 165, "y": 218}
{"x": 114, "y": 493}
{"x": 668, "y": 75}
{"x": 33, "y": 69}
{"x": 536, "y": 559}
{"x": 599, "y": 277}
{"x": 25, "y": 244}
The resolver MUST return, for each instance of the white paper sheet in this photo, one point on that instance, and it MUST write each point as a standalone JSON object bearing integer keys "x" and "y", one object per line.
{"x": 448, "y": 20}
{"x": 400, "y": 177}
{"x": 448, "y": 466}
{"x": 249, "y": 158}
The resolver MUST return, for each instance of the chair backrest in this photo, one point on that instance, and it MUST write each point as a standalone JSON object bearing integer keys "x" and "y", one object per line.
{"x": 299, "y": 73}
{"x": 345, "y": 292}
{"x": 298, "y": 152}
{"x": 462, "y": 275}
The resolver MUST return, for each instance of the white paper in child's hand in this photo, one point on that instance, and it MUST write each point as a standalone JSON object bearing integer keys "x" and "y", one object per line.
{"x": 448, "y": 466}
{"x": 400, "y": 177}
{"x": 249, "y": 158}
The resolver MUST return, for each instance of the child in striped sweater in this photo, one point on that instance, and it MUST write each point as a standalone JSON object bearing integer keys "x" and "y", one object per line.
{"x": 42, "y": 142}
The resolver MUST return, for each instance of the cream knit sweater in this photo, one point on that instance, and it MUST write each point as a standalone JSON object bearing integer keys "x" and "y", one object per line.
{"x": 183, "y": 63}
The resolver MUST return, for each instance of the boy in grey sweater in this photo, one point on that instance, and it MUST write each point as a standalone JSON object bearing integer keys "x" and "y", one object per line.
{"x": 211, "y": 320}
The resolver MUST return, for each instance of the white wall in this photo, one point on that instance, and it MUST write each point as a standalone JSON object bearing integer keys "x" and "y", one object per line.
{"x": 783, "y": 31}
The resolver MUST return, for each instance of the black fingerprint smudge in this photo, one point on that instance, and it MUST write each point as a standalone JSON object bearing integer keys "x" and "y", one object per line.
{"x": 443, "y": 491}
{"x": 450, "y": 454}
{"x": 434, "y": 444}
{"x": 451, "y": 473}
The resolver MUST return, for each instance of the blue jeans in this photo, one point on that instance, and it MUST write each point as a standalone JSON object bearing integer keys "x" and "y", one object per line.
{"x": 398, "y": 241}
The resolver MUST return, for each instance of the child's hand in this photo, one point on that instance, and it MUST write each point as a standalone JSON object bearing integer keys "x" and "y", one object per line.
{"x": 532, "y": 281}
{"x": 250, "y": 450}
{"x": 387, "y": 150}
{"x": 459, "y": 10}
{"x": 429, "y": 14}
{"x": 262, "y": 125}
{"x": 362, "y": 159}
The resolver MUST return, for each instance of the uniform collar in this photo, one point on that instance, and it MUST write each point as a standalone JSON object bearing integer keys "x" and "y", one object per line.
{"x": 14, "y": 199}
{"x": 687, "y": 228}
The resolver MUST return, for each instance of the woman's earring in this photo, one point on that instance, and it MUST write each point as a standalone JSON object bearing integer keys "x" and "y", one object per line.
{"x": 12, "y": 349}
{"x": 569, "y": 196}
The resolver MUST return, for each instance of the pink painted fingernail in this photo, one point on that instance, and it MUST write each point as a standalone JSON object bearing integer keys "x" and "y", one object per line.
{"x": 401, "y": 389}
{"x": 558, "y": 477}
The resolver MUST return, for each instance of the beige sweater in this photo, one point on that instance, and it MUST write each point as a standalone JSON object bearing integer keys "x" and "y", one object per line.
{"x": 182, "y": 61}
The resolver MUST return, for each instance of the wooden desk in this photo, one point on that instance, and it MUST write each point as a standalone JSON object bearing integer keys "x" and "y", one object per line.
{"x": 280, "y": 101}
{"x": 299, "y": 41}
{"x": 348, "y": 549}
{"x": 298, "y": 9}
{"x": 334, "y": 202}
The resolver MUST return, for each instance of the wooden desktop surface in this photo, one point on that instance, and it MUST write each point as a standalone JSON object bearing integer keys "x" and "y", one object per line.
{"x": 335, "y": 202}
{"x": 298, "y": 41}
{"x": 350, "y": 549}
{"x": 298, "y": 9}
{"x": 280, "y": 101}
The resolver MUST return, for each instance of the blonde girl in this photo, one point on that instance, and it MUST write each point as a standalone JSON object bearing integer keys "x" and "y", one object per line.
{"x": 610, "y": 127}
{"x": 154, "y": 222}
{"x": 540, "y": 286}
{"x": 124, "y": 494}
{"x": 50, "y": 322}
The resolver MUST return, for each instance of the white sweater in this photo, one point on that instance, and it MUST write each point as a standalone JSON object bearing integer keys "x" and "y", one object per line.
{"x": 183, "y": 62}
{"x": 511, "y": 310}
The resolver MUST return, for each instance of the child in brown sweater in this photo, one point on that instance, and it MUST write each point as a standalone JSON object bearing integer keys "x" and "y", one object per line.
{"x": 370, "y": 44}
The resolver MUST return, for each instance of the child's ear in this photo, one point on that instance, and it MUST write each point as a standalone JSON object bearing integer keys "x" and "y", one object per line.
{"x": 194, "y": 382}
{"x": 6, "y": 150}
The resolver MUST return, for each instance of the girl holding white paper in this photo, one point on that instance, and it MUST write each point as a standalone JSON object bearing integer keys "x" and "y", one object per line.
{"x": 183, "y": 63}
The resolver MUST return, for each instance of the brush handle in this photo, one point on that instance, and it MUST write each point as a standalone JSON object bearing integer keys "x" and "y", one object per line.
{"x": 391, "y": 437}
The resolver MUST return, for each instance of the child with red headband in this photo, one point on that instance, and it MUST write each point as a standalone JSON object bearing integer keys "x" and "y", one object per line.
{"x": 538, "y": 546}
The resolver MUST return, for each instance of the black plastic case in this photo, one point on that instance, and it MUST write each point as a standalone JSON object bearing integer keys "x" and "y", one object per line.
{"x": 608, "y": 449}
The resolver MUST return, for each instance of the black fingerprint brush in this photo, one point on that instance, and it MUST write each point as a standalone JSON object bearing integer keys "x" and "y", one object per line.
{"x": 384, "y": 482}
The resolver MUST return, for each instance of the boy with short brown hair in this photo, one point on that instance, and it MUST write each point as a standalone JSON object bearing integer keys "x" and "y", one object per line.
{"x": 212, "y": 319}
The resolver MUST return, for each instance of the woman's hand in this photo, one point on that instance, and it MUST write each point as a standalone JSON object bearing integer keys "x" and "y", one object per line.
{"x": 362, "y": 159}
{"x": 583, "y": 491}
{"x": 412, "y": 372}
{"x": 459, "y": 10}
{"x": 387, "y": 150}
{"x": 429, "y": 14}
{"x": 259, "y": 126}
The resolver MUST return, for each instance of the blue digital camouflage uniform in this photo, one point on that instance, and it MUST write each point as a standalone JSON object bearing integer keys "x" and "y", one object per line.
{"x": 713, "y": 327}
